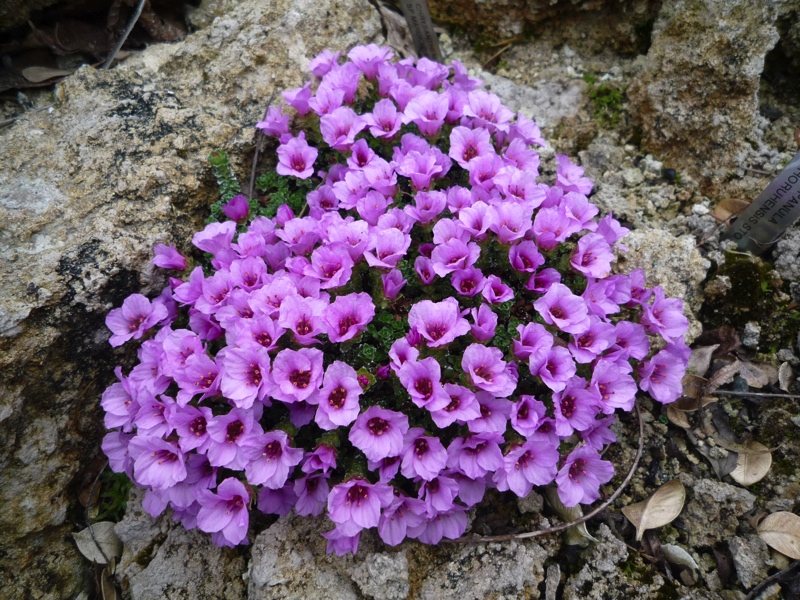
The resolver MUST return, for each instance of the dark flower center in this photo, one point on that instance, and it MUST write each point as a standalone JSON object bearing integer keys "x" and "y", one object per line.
{"x": 253, "y": 374}
{"x": 300, "y": 379}
{"x": 420, "y": 447}
{"x": 470, "y": 152}
{"x": 577, "y": 469}
{"x": 135, "y": 322}
{"x": 357, "y": 494}
{"x": 556, "y": 312}
{"x": 198, "y": 426}
{"x": 264, "y": 339}
{"x": 522, "y": 413}
{"x": 337, "y": 397}
{"x": 234, "y": 431}
{"x": 346, "y": 323}
{"x": 568, "y": 406}
{"x": 377, "y": 426}
{"x": 436, "y": 331}
{"x": 273, "y": 450}
{"x": 298, "y": 163}
{"x": 424, "y": 387}
{"x": 303, "y": 326}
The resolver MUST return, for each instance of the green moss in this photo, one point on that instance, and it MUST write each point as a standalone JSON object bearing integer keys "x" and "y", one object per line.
{"x": 114, "y": 491}
{"x": 607, "y": 101}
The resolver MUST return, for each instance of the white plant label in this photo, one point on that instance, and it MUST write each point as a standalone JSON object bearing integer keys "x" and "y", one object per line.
{"x": 418, "y": 17}
{"x": 773, "y": 211}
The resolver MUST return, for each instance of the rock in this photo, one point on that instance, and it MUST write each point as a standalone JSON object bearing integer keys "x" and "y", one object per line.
{"x": 632, "y": 177}
{"x": 714, "y": 512}
{"x": 161, "y": 559}
{"x": 751, "y": 559}
{"x": 85, "y": 191}
{"x": 787, "y": 259}
{"x": 383, "y": 576}
{"x": 532, "y": 503}
{"x": 602, "y": 155}
{"x": 671, "y": 262}
{"x": 750, "y": 335}
{"x": 552, "y": 581}
{"x": 14, "y": 13}
{"x": 547, "y": 102}
{"x": 696, "y": 97}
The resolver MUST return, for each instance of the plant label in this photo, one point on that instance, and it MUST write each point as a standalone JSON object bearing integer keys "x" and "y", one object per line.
{"x": 778, "y": 206}
{"x": 419, "y": 22}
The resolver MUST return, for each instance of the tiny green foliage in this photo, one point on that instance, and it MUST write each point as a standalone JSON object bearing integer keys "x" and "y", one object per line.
{"x": 114, "y": 491}
{"x": 606, "y": 100}
{"x": 283, "y": 190}
{"x": 226, "y": 179}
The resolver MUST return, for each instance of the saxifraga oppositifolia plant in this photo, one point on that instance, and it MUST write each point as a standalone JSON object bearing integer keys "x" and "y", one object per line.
{"x": 427, "y": 322}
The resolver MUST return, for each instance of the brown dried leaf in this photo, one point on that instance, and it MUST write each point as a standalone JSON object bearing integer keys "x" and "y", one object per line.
{"x": 107, "y": 587}
{"x": 724, "y": 376}
{"x": 753, "y": 374}
{"x": 40, "y": 74}
{"x": 752, "y": 466}
{"x": 781, "y": 530}
{"x": 700, "y": 360}
{"x": 104, "y": 538}
{"x": 785, "y": 376}
{"x": 678, "y": 417}
{"x": 693, "y": 387}
{"x": 576, "y": 533}
{"x": 729, "y": 207}
{"x": 659, "y": 509}
{"x": 726, "y": 336}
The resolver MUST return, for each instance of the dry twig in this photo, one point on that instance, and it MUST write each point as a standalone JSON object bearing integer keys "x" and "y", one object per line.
{"x": 558, "y": 528}
{"x": 86, "y": 512}
{"x": 131, "y": 24}
{"x": 770, "y": 580}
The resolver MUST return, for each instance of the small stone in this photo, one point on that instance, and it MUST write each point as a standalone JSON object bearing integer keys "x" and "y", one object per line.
{"x": 751, "y": 558}
{"x": 700, "y": 209}
{"x": 383, "y": 575}
{"x": 786, "y": 355}
{"x": 752, "y": 331}
{"x": 551, "y": 582}
{"x": 532, "y": 503}
{"x": 632, "y": 177}
{"x": 773, "y": 592}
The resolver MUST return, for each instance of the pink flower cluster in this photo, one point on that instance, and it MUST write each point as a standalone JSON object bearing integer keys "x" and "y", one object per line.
{"x": 406, "y": 345}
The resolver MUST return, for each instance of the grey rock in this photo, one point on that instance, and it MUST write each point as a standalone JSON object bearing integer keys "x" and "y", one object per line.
{"x": 481, "y": 571}
{"x": 532, "y": 503}
{"x": 602, "y": 155}
{"x": 671, "y": 262}
{"x": 750, "y": 335}
{"x": 787, "y": 259}
{"x": 162, "y": 560}
{"x": 751, "y": 559}
{"x": 697, "y": 95}
{"x": 85, "y": 191}
{"x": 383, "y": 576}
{"x": 786, "y": 355}
{"x": 715, "y": 510}
{"x": 551, "y": 582}
{"x": 632, "y": 177}
{"x": 547, "y": 102}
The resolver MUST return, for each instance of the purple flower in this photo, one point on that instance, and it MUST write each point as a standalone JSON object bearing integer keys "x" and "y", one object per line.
{"x": 557, "y": 368}
{"x": 167, "y": 257}
{"x": 228, "y": 433}
{"x": 454, "y": 255}
{"x": 115, "y": 447}
{"x": 323, "y": 458}
{"x": 494, "y": 414}
{"x": 323, "y": 62}
{"x": 423, "y": 456}
{"x": 463, "y": 407}
{"x": 509, "y": 220}
{"x": 348, "y": 316}
{"x": 276, "y": 124}
{"x": 468, "y": 282}
{"x": 525, "y": 257}
{"x": 400, "y": 352}
{"x": 191, "y": 425}
{"x": 527, "y": 414}
{"x": 277, "y": 502}
{"x": 488, "y": 110}
{"x": 271, "y": 459}
{"x": 157, "y": 463}
{"x": 438, "y": 322}
{"x": 338, "y": 398}
{"x": 422, "y": 380}
{"x": 553, "y": 225}
{"x": 392, "y": 283}
{"x": 477, "y": 455}
{"x": 612, "y": 230}
{"x": 614, "y": 386}
{"x": 450, "y": 524}
{"x": 369, "y": 58}
{"x": 237, "y": 208}
{"x": 560, "y": 307}
{"x": 580, "y": 478}
{"x": 484, "y": 323}
{"x": 570, "y": 177}
{"x": 424, "y": 268}
{"x": 631, "y": 341}
{"x": 469, "y": 144}
{"x": 575, "y": 407}
{"x": 600, "y": 434}
{"x": 379, "y": 432}
{"x": 421, "y": 167}
{"x": 198, "y": 376}
{"x": 664, "y": 316}
{"x": 495, "y": 291}
{"x": 588, "y": 345}
{"x": 341, "y": 544}
{"x": 330, "y": 264}
{"x": 526, "y": 465}
{"x": 543, "y": 280}
{"x": 389, "y": 246}
{"x": 402, "y": 514}
{"x": 661, "y": 376}
{"x": 225, "y": 511}
{"x": 487, "y": 370}
{"x": 244, "y": 377}
{"x": 592, "y": 256}
{"x": 133, "y": 319}
{"x": 296, "y": 374}
{"x": 356, "y": 504}
{"x": 340, "y": 127}
{"x": 534, "y": 345}
{"x": 427, "y": 111}
{"x": 384, "y": 121}
{"x": 438, "y": 495}
{"x": 303, "y": 317}
{"x": 427, "y": 206}
{"x": 298, "y": 98}
{"x": 312, "y": 494}
{"x": 296, "y": 158}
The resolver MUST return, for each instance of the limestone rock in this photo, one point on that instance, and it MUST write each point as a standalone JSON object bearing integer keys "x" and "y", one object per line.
{"x": 86, "y": 189}
{"x": 697, "y": 95}
{"x": 751, "y": 559}
{"x": 714, "y": 511}
{"x": 671, "y": 262}
{"x": 161, "y": 559}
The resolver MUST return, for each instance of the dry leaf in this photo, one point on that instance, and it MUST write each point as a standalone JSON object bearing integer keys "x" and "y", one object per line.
{"x": 723, "y": 376}
{"x": 785, "y": 376}
{"x": 755, "y": 375}
{"x": 694, "y": 387}
{"x": 659, "y": 509}
{"x": 40, "y": 74}
{"x": 678, "y": 417}
{"x": 678, "y": 556}
{"x": 576, "y": 533}
{"x": 729, "y": 207}
{"x": 104, "y": 537}
{"x": 752, "y": 466}
{"x": 107, "y": 587}
{"x": 700, "y": 360}
{"x": 781, "y": 530}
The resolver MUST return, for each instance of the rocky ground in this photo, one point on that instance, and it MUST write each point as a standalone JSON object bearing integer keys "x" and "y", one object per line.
{"x": 594, "y": 100}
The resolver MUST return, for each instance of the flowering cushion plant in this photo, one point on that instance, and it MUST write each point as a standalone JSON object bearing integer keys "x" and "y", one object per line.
{"x": 433, "y": 322}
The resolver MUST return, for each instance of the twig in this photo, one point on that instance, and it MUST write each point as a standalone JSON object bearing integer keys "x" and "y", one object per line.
{"x": 498, "y": 53}
{"x": 557, "y": 528}
{"x": 137, "y": 13}
{"x": 759, "y": 394}
{"x": 759, "y": 171}
{"x": 259, "y": 141}
{"x": 771, "y": 579}
{"x": 10, "y": 120}
{"x": 86, "y": 512}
